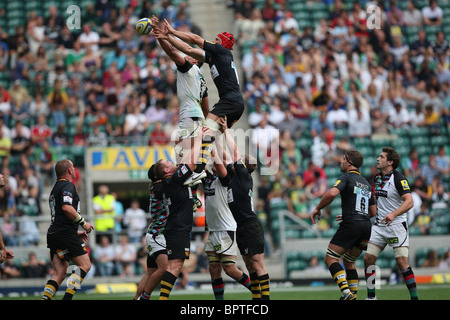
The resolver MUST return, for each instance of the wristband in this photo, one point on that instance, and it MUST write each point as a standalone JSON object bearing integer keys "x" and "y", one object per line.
{"x": 80, "y": 220}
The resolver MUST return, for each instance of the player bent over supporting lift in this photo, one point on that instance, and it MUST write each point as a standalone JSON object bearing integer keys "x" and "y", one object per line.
{"x": 358, "y": 206}
{"x": 394, "y": 199}
{"x": 157, "y": 261}
{"x": 180, "y": 216}
{"x": 63, "y": 238}
{"x": 221, "y": 247}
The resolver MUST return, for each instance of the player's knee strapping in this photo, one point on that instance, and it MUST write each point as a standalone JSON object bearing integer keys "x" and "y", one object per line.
{"x": 333, "y": 254}
{"x": 213, "y": 259}
{"x": 227, "y": 261}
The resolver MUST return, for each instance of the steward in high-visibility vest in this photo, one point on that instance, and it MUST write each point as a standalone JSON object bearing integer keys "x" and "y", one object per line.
{"x": 104, "y": 208}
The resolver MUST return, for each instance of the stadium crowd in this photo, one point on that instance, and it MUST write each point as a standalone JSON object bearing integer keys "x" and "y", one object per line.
{"x": 325, "y": 86}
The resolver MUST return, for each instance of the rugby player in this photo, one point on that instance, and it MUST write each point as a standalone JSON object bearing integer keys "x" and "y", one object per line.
{"x": 64, "y": 240}
{"x": 358, "y": 206}
{"x": 394, "y": 200}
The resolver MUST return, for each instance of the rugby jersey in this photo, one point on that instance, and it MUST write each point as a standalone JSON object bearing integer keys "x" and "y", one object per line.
{"x": 218, "y": 213}
{"x": 158, "y": 210}
{"x": 389, "y": 190}
{"x": 191, "y": 89}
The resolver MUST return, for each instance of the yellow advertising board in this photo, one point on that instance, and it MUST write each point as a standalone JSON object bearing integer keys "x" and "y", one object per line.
{"x": 128, "y": 158}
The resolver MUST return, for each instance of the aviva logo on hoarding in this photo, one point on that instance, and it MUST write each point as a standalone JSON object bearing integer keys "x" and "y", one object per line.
{"x": 128, "y": 158}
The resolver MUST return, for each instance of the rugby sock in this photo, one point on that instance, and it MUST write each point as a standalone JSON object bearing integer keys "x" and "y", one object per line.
{"x": 370, "y": 280}
{"x": 205, "y": 153}
{"x": 167, "y": 283}
{"x": 254, "y": 283}
{"x": 74, "y": 283}
{"x": 264, "y": 282}
{"x": 245, "y": 281}
{"x": 338, "y": 275}
{"x": 144, "y": 296}
{"x": 218, "y": 288}
{"x": 50, "y": 290}
{"x": 352, "y": 279}
{"x": 410, "y": 280}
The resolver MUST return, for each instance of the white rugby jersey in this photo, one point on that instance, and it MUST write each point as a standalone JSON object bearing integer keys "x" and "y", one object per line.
{"x": 388, "y": 191}
{"x": 191, "y": 89}
{"x": 217, "y": 212}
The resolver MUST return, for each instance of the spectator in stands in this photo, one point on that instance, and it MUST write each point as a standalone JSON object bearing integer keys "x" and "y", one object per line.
{"x": 126, "y": 255}
{"x": 440, "y": 199}
{"x": 432, "y": 14}
{"x": 59, "y": 137}
{"x": 291, "y": 159}
{"x": 38, "y": 106}
{"x": 359, "y": 122}
{"x": 104, "y": 257}
{"x": 429, "y": 170}
{"x": 40, "y": 132}
{"x": 424, "y": 219}
{"x": 21, "y": 139}
{"x": 104, "y": 209}
{"x": 264, "y": 141}
{"x": 19, "y": 95}
{"x": 10, "y": 270}
{"x": 399, "y": 116}
{"x": 444, "y": 264}
{"x": 5, "y": 149}
{"x": 34, "y": 267}
{"x": 45, "y": 164}
{"x": 416, "y": 116}
{"x": 28, "y": 230}
{"x": 431, "y": 260}
{"x": 431, "y": 120}
{"x": 443, "y": 161}
{"x": 136, "y": 124}
{"x": 158, "y": 136}
{"x": 134, "y": 221}
{"x": 441, "y": 45}
{"x": 97, "y": 137}
{"x": 5, "y": 106}
{"x": 89, "y": 37}
{"x": 412, "y": 17}
{"x": 9, "y": 230}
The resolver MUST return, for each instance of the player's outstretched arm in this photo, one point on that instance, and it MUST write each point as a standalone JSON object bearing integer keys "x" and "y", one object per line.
{"x": 185, "y": 36}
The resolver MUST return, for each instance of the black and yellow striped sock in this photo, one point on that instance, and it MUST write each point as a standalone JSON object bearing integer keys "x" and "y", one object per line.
{"x": 352, "y": 279}
{"x": 205, "y": 153}
{"x": 74, "y": 283}
{"x": 256, "y": 290}
{"x": 264, "y": 282}
{"x": 338, "y": 275}
{"x": 50, "y": 290}
{"x": 167, "y": 283}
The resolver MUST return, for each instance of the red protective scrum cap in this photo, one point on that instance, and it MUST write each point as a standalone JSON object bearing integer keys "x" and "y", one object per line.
{"x": 227, "y": 40}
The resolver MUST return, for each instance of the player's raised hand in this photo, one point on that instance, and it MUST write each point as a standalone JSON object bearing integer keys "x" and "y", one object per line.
{"x": 168, "y": 26}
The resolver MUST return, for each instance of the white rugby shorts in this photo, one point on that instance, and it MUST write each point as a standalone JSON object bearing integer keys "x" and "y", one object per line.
{"x": 155, "y": 244}
{"x": 393, "y": 235}
{"x": 221, "y": 243}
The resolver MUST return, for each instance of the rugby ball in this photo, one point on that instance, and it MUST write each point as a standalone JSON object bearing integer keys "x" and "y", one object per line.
{"x": 144, "y": 26}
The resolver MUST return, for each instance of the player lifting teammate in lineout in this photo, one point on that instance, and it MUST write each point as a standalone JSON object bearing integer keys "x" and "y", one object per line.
{"x": 223, "y": 71}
